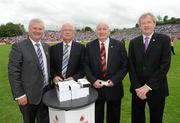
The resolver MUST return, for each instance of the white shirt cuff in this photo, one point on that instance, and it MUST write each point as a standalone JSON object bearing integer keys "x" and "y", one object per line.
{"x": 20, "y": 97}
{"x": 148, "y": 87}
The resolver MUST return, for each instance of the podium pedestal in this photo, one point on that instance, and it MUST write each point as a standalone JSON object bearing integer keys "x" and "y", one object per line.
{"x": 80, "y": 110}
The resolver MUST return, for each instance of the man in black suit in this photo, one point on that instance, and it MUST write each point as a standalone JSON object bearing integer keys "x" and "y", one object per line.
{"x": 149, "y": 57}
{"x": 105, "y": 67}
{"x": 69, "y": 67}
{"x": 29, "y": 72}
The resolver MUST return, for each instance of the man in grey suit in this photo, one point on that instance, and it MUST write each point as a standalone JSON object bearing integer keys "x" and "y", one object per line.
{"x": 29, "y": 73}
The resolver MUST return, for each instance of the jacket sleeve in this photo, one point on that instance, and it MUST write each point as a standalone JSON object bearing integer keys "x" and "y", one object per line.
{"x": 164, "y": 66}
{"x": 87, "y": 66}
{"x": 80, "y": 71}
{"x": 121, "y": 73}
{"x": 14, "y": 71}
{"x": 132, "y": 69}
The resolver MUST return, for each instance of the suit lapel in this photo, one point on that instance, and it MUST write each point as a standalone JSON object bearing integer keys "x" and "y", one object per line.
{"x": 46, "y": 51}
{"x": 141, "y": 45}
{"x": 30, "y": 47}
{"x": 110, "y": 54}
{"x": 139, "y": 48}
{"x": 97, "y": 54}
{"x": 71, "y": 57}
{"x": 152, "y": 43}
{"x": 60, "y": 53}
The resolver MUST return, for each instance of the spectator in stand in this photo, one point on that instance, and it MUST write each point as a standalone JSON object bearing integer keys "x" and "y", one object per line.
{"x": 172, "y": 45}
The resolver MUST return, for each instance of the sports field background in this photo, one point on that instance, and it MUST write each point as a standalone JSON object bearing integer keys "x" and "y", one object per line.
{"x": 9, "y": 111}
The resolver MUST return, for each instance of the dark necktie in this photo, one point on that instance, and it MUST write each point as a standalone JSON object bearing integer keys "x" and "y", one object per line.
{"x": 65, "y": 60}
{"x": 40, "y": 57}
{"x": 103, "y": 60}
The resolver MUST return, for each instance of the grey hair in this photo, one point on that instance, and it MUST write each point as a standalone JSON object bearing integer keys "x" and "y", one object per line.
{"x": 35, "y": 20}
{"x": 145, "y": 15}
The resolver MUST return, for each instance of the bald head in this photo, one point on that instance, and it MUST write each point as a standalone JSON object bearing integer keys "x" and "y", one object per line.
{"x": 102, "y": 24}
{"x": 102, "y": 31}
{"x": 68, "y": 32}
{"x": 67, "y": 25}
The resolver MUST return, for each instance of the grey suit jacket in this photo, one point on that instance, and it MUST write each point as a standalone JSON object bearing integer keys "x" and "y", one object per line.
{"x": 25, "y": 75}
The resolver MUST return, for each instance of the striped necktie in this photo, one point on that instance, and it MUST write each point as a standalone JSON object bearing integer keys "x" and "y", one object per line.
{"x": 103, "y": 60}
{"x": 65, "y": 60}
{"x": 40, "y": 57}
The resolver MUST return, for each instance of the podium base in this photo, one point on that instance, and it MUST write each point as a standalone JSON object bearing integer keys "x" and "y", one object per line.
{"x": 81, "y": 115}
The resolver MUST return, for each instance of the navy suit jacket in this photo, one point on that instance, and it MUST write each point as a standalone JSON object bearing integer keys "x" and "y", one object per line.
{"x": 150, "y": 67}
{"x": 75, "y": 64}
{"x": 116, "y": 67}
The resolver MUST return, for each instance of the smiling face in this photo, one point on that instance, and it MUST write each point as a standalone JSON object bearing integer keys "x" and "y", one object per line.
{"x": 102, "y": 31}
{"x": 36, "y": 30}
{"x": 147, "y": 24}
{"x": 67, "y": 32}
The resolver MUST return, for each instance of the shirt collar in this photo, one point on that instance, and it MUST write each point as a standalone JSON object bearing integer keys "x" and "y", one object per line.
{"x": 144, "y": 36}
{"x": 106, "y": 42}
{"x": 34, "y": 42}
{"x": 70, "y": 43}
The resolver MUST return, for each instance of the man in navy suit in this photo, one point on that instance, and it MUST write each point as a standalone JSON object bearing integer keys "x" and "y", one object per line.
{"x": 105, "y": 67}
{"x": 149, "y": 60}
{"x": 73, "y": 68}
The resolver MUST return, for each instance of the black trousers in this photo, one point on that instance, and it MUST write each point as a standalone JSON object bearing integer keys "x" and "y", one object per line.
{"x": 156, "y": 105}
{"x": 112, "y": 114}
{"x": 38, "y": 113}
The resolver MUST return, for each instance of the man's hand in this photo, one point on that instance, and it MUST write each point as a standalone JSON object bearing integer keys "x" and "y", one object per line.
{"x": 97, "y": 84}
{"x": 69, "y": 78}
{"x": 23, "y": 101}
{"x": 56, "y": 79}
{"x": 110, "y": 83}
{"x": 142, "y": 91}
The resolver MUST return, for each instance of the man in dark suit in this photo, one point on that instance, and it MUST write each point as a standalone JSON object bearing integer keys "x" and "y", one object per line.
{"x": 29, "y": 71}
{"x": 149, "y": 57}
{"x": 106, "y": 66}
{"x": 67, "y": 57}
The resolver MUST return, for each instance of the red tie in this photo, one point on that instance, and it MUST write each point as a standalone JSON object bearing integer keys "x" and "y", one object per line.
{"x": 103, "y": 60}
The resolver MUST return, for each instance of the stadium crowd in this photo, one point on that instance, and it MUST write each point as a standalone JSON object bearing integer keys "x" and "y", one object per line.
{"x": 130, "y": 33}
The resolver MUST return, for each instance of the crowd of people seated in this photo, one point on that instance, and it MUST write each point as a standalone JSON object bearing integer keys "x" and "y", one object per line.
{"x": 128, "y": 34}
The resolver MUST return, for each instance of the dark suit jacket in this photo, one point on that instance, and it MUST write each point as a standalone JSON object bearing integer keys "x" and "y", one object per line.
{"x": 75, "y": 64}
{"x": 150, "y": 67}
{"x": 25, "y": 74}
{"x": 116, "y": 67}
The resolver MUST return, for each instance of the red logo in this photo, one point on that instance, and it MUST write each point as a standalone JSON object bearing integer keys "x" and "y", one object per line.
{"x": 82, "y": 119}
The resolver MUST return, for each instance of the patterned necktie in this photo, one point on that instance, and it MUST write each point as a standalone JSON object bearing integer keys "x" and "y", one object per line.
{"x": 146, "y": 43}
{"x": 65, "y": 60}
{"x": 40, "y": 57}
{"x": 103, "y": 60}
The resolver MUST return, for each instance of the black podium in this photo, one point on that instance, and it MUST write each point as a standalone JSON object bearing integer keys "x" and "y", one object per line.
{"x": 72, "y": 111}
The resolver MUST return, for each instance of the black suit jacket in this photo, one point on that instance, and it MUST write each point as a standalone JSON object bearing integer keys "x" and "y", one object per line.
{"x": 150, "y": 67}
{"x": 116, "y": 67}
{"x": 24, "y": 70}
{"x": 75, "y": 64}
